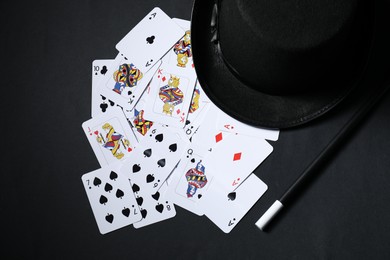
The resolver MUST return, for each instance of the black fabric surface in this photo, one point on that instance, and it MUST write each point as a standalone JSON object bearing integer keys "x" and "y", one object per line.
{"x": 47, "y": 48}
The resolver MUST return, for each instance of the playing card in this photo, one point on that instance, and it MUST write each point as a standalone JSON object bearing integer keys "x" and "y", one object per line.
{"x": 155, "y": 157}
{"x": 124, "y": 83}
{"x": 231, "y": 161}
{"x": 100, "y": 104}
{"x": 170, "y": 96}
{"x": 189, "y": 180}
{"x": 110, "y": 136}
{"x": 184, "y": 24}
{"x": 207, "y": 135}
{"x": 181, "y": 53}
{"x": 150, "y": 39}
{"x": 149, "y": 166}
{"x": 226, "y": 207}
{"x": 198, "y": 109}
{"x": 111, "y": 198}
{"x": 141, "y": 125}
{"x": 154, "y": 206}
{"x": 229, "y": 124}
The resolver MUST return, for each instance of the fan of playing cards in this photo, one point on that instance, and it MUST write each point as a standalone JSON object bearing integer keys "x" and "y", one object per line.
{"x": 159, "y": 140}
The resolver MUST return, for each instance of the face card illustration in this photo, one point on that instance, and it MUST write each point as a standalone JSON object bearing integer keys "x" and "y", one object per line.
{"x": 181, "y": 53}
{"x": 140, "y": 124}
{"x": 238, "y": 156}
{"x": 125, "y": 83}
{"x": 226, "y": 207}
{"x": 189, "y": 180}
{"x": 229, "y": 124}
{"x": 150, "y": 39}
{"x": 111, "y": 198}
{"x": 197, "y": 111}
{"x": 100, "y": 104}
{"x": 170, "y": 96}
{"x": 110, "y": 136}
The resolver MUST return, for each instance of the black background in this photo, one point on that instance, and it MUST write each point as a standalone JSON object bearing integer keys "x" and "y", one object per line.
{"x": 47, "y": 48}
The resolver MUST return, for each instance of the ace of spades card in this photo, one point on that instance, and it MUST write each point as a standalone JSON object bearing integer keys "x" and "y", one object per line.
{"x": 111, "y": 198}
{"x": 150, "y": 39}
{"x": 110, "y": 136}
{"x": 226, "y": 206}
{"x": 170, "y": 96}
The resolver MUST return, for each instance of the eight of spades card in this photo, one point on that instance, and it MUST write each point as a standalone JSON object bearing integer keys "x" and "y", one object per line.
{"x": 150, "y": 39}
{"x": 170, "y": 96}
{"x": 125, "y": 82}
{"x": 189, "y": 180}
{"x": 147, "y": 183}
{"x": 111, "y": 198}
{"x": 154, "y": 206}
{"x": 100, "y": 104}
{"x": 226, "y": 207}
{"x": 110, "y": 136}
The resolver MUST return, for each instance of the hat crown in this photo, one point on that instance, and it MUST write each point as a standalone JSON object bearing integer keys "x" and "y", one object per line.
{"x": 280, "y": 47}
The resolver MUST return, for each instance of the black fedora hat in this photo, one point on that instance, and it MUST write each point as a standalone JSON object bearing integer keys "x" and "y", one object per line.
{"x": 277, "y": 63}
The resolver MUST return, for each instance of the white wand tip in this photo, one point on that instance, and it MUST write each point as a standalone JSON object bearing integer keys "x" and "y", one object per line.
{"x": 269, "y": 214}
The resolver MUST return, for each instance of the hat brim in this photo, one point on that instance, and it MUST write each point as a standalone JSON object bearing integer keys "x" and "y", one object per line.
{"x": 253, "y": 107}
